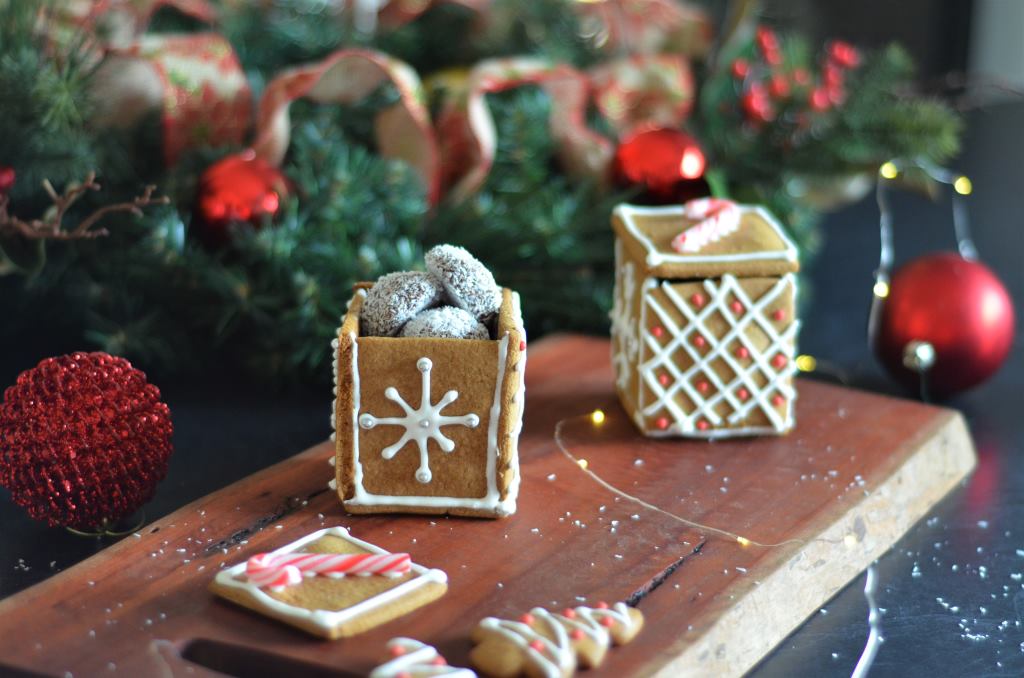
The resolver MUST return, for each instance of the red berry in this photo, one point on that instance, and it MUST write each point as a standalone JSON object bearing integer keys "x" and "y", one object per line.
{"x": 832, "y": 76}
{"x": 661, "y": 423}
{"x": 773, "y": 57}
{"x": 819, "y": 100}
{"x": 756, "y": 105}
{"x": 740, "y": 69}
{"x": 778, "y": 87}
{"x": 836, "y": 95}
{"x": 844, "y": 54}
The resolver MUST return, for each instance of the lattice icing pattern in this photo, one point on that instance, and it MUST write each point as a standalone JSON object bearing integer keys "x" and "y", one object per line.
{"x": 718, "y": 356}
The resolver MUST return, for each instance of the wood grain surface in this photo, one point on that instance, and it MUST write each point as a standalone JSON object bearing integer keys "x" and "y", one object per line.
{"x": 856, "y": 473}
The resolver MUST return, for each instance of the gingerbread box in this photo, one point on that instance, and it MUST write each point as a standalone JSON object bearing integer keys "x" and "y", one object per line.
{"x": 429, "y": 425}
{"x": 703, "y": 321}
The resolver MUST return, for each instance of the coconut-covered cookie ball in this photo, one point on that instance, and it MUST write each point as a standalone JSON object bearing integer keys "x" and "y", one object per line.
{"x": 395, "y": 299}
{"x": 446, "y": 322}
{"x": 469, "y": 284}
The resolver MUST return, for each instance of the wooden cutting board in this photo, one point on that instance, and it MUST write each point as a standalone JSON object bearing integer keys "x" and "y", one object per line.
{"x": 857, "y": 473}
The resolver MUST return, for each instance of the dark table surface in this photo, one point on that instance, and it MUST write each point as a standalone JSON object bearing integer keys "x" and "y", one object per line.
{"x": 952, "y": 589}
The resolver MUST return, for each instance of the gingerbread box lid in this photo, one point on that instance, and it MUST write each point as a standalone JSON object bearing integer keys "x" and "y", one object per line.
{"x": 704, "y": 239}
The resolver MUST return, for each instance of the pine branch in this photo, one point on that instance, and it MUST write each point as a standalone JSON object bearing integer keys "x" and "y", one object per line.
{"x": 51, "y": 226}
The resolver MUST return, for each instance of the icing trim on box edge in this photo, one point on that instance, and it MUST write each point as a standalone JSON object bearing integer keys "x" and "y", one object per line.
{"x": 329, "y": 619}
{"x": 654, "y": 257}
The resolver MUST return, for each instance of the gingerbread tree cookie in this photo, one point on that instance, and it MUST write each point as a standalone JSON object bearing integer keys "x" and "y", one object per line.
{"x": 704, "y": 319}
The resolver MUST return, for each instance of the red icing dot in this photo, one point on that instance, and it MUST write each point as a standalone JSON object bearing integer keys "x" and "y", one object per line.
{"x": 657, "y": 331}
{"x": 697, "y": 299}
{"x": 607, "y": 621}
{"x": 397, "y": 650}
{"x": 438, "y": 661}
{"x": 527, "y": 618}
{"x": 778, "y": 400}
{"x": 736, "y": 307}
{"x": 661, "y": 423}
{"x": 569, "y": 613}
{"x": 742, "y": 353}
{"x": 743, "y": 394}
{"x": 537, "y": 645}
{"x": 663, "y": 379}
{"x": 522, "y": 344}
{"x": 699, "y": 341}
{"x": 404, "y": 674}
{"x": 602, "y": 605}
{"x": 702, "y": 425}
{"x": 703, "y": 386}
{"x": 779, "y": 315}
{"x": 779, "y": 361}
{"x": 576, "y": 634}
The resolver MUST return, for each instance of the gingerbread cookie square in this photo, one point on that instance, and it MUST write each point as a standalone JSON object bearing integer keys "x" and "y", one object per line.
{"x": 704, "y": 335}
{"x": 333, "y": 606}
{"x": 429, "y": 425}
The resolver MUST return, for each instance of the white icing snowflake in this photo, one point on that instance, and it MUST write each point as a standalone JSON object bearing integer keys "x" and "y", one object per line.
{"x": 421, "y": 425}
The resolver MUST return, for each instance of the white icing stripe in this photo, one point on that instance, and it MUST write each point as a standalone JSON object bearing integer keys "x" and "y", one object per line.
{"x": 417, "y": 660}
{"x": 234, "y": 577}
{"x": 423, "y": 424}
{"x": 490, "y": 501}
{"x": 626, "y": 214}
{"x": 661, "y": 357}
{"x": 719, "y": 218}
{"x": 553, "y": 657}
{"x": 625, "y": 343}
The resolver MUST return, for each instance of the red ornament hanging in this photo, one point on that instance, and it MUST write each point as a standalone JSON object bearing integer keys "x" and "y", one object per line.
{"x": 7, "y": 177}
{"x": 951, "y": 313}
{"x": 666, "y": 163}
{"x": 84, "y": 440}
{"x": 238, "y": 189}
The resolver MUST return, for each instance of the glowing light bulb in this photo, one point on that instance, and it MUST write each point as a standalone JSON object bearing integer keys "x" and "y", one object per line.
{"x": 692, "y": 164}
{"x": 583, "y": 464}
{"x": 743, "y": 541}
{"x": 888, "y": 170}
{"x": 806, "y": 363}
{"x": 963, "y": 185}
{"x": 597, "y": 416}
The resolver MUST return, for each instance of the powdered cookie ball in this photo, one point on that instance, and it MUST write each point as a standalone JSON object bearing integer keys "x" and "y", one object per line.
{"x": 469, "y": 284}
{"x": 446, "y": 322}
{"x": 395, "y": 299}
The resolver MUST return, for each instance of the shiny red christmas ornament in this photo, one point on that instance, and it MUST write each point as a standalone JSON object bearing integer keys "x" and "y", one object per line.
{"x": 667, "y": 163}
{"x": 84, "y": 440}
{"x": 957, "y": 306}
{"x": 238, "y": 189}
{"x": 7, "y": 177}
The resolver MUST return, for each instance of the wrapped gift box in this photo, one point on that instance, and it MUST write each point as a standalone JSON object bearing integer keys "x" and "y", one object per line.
{"x": 427, "y": 425}
{"x": 704, "y": 337}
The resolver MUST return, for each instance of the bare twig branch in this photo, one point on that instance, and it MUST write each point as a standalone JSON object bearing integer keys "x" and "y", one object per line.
{"x": 51, "y": 225}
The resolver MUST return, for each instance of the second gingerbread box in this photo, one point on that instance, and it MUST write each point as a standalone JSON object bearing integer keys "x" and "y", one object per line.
{"x": 429, "y": 425}
{"x": 703, "y": 322}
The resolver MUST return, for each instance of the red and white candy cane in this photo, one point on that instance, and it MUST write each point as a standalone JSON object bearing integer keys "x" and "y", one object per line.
{"x": 718, "y": 218}
{"x": 285, "y": 569}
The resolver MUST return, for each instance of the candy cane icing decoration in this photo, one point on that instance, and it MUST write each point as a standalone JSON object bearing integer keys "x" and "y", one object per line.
{"x": 285, "y": 569}
{"x": 718, "y": 218}
{"x": 413, "y": 659}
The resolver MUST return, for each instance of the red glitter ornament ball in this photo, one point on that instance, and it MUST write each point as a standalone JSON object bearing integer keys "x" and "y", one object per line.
{"x": 959, "y": 307}
{"x": 84, "y": 440}
{"x": 238, "y": 189}
{"x": 666, "y": 163}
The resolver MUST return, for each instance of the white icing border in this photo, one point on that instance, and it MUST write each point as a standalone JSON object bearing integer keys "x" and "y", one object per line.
{"x": 626, "y": 212}
{"x": 489, "y": 502}
{"x": 329, "y": 619}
